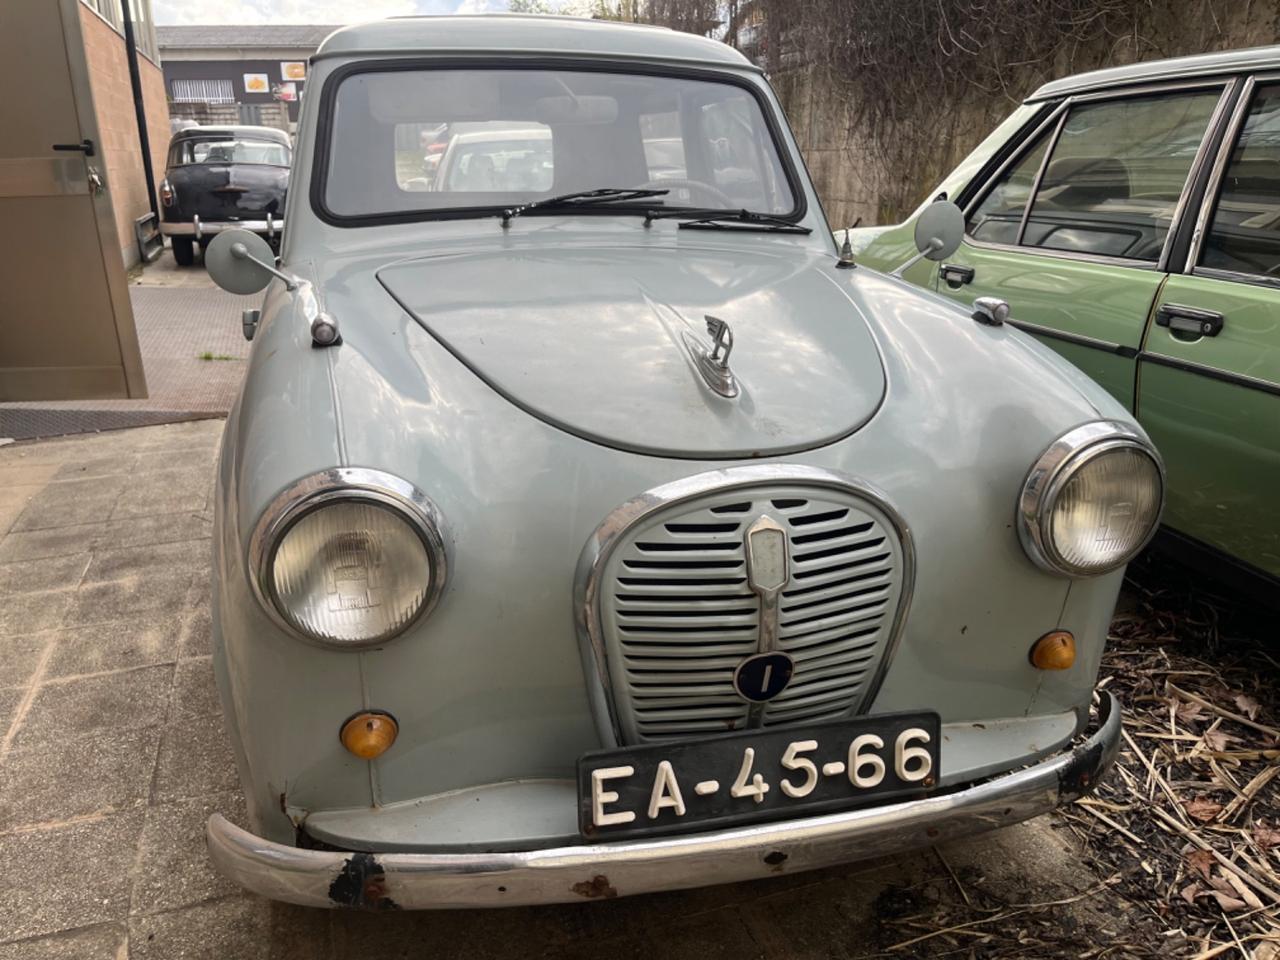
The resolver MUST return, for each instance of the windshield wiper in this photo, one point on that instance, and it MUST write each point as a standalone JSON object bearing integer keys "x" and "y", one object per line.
{"x": 721, "y": 220}
{"x": 583, "y": 198}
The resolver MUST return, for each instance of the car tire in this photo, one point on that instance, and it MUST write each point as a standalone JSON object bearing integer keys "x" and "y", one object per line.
{"x": 184, "y": 253}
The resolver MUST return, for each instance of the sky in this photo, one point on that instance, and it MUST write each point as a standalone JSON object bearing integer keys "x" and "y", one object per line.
{"x": 307, "y": 11}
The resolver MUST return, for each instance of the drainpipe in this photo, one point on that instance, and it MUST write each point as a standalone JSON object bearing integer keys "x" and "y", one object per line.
{"x": 139, "y": 105}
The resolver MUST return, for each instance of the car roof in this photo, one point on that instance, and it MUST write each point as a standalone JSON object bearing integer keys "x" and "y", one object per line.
{"x": 507, "y": 33}
{"x": 265, "y": 133}
{"x": 511, "y": 133}
{"x": 1200, "y": 65}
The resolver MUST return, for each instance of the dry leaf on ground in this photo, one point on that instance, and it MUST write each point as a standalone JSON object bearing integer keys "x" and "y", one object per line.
{"x": 1203, "y": 809}
{"x": 1248, "y": 706}
{"x": 1201, "y": 861}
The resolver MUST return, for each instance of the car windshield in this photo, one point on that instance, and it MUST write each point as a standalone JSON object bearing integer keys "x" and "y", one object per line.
{"x": 436, "y": 142}
{"x": 239, "y": 150}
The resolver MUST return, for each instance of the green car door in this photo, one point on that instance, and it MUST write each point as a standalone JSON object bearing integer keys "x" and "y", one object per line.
{"x": 1072, "y": 229}
{"x": 1209, "y": 376}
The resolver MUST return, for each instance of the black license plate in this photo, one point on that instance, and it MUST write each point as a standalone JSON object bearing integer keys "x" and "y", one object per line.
{"x": 756, "y": 775}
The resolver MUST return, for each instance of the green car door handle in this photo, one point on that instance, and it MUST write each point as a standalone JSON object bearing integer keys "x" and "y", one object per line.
{"x": 1189, "y": 320}
{"x": 956, "y": 275}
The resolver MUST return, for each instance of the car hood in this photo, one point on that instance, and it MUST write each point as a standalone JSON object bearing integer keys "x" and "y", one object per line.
{"x": 602, "y": 343}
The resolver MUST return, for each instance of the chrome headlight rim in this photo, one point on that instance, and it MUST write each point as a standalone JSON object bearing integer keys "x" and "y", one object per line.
{"x": 1054, "y": 469}
{"x": 336, "y": 485}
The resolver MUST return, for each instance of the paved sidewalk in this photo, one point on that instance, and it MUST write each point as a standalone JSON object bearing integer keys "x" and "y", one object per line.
{"x": 181, "y": 317}
{"x": 113, "y": 754}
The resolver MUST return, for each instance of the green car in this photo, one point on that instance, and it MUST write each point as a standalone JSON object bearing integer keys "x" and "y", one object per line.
{"x": 1131, "y": 219}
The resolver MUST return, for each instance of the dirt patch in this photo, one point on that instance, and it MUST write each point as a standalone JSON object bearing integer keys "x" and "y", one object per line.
{"x": 1178, "y": 852}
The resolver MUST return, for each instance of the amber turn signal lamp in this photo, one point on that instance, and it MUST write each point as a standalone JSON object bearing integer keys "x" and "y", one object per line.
{"x": 369, "y": 734}
{"x": 1054, "y": 651}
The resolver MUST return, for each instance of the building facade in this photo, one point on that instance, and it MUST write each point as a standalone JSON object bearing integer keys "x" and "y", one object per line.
{"x": 238, "y": 74}
{"x": 106, "y": 55}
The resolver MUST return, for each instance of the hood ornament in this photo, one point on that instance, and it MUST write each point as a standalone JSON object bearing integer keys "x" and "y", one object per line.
{"x": 713, "y": 363}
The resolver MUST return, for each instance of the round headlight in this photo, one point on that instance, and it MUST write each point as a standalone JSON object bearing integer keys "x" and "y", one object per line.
{"x": 1092, "y": 501}
{"x": 349, "y": 557}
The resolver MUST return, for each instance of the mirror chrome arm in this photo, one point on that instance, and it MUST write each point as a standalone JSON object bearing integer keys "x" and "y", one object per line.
{"x": 935, "y": 243}
{"x": 241, "y": 252}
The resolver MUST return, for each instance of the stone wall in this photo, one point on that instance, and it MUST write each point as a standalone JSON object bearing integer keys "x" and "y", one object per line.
{"x": 119, "y": 151}
{"x": 221, "y": 114}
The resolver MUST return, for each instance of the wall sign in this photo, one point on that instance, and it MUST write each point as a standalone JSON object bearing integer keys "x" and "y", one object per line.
{"x": 285, "y": 91}
{"x": 256, "y": 83}
{"x": 293, "y": 70}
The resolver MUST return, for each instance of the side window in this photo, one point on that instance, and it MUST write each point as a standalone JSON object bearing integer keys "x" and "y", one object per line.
{"x": 1112, "y": 182}
{"x": 1244, "y": 234}
{"x": 1116, "y": 173}
{"x": 998, "y": 217}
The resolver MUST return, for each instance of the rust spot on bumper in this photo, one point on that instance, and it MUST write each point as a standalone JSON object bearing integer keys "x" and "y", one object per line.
{"x": 362, "y": 883}
{"x": 597, "y": 888}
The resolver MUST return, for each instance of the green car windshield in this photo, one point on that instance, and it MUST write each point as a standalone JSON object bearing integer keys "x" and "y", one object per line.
{"x": 435, "y": 143}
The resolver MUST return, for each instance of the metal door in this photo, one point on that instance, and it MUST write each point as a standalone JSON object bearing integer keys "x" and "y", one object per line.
{"x": 1209, "y": 375}
{"x": 66, "y": 325}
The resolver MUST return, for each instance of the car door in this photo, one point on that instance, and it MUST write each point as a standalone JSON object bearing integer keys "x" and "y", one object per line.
{"x": 1209, "y": 373}
{"x": 1073, "y": 229}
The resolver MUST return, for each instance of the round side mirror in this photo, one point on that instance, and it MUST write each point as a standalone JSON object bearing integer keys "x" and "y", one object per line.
{"x": 230, "y": 259}
{"x": 939, "y": 230}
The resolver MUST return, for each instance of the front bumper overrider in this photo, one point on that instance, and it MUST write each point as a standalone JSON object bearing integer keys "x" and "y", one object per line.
{"x": 385, "y": 881}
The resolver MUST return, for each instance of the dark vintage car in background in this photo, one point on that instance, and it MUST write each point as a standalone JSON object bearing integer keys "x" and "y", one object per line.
{"x": 218, "y": 178}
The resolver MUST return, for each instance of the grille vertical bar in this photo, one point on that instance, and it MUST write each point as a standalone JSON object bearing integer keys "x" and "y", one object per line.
{"x": 677, "y": 613}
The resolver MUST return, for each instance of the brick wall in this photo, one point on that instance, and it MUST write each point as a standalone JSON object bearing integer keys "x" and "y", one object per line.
{"x": 119, "y": 152}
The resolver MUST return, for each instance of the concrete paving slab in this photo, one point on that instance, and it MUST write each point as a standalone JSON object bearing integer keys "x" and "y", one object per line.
{"x": 65, "y": 876}
{"x": 37, "y": 576}
{"x": 197, "y": 630}
{"x": 144, "y": 640}
{"x": 195, "y": 760}
{"x": 95, "y": 705}
{"x": 49, "y": 541}
{"x": 215, "y": 930}
{"x": 70, "y": 503}
{"x": 21, "y": 656}
{"x": 77, "y": 777}
{"x": 108, "y": 941}
{"x": 118, "y": 599}
{"x": 173, "y": 870}
{"x": 194, "y": 691}
{"x": 29, "y": 613}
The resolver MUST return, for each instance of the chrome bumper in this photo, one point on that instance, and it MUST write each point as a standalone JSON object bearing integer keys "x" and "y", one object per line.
{"x": 201, "y": 228}
{"x": 566, "y": 874}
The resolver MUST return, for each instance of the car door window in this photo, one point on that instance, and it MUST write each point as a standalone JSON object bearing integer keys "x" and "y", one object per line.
{"x": 1244, "y": 234}
{"x": 1111, "y": 184}
{"x": 998, "y": 217}
{"x": 1116, "y": 174}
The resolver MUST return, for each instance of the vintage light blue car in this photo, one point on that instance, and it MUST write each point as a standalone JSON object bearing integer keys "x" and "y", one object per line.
{"x": 587, "y": 527}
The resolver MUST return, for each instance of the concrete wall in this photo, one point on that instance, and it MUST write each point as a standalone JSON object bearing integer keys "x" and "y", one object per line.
{"x": 119, "y": 152}
{"x": 854, "y": 180}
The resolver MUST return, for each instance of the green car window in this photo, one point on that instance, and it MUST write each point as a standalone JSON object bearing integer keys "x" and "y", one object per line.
{"x": 1244, "y": 235}
{"x": 1115, "y": 176}
{"x": 999, "y": 216}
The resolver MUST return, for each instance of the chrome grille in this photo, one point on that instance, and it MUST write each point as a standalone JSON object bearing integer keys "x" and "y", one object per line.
{"x": 677, "y": 614}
